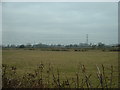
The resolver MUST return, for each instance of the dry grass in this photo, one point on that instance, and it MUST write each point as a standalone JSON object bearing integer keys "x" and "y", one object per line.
{"x": 67, "y": 64}
{"x": 47, "y": 77}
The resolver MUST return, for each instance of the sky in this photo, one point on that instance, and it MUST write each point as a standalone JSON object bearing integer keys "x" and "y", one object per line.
{"x": 60, "y": 22}
{"x": 0, "y": 23}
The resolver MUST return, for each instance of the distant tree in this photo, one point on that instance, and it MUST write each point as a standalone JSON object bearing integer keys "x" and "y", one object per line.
{"x": 28, "y": 45}
{"x": 75, "y": 45}
{"x": 59, "y": 45}
{"x": 101, "y": 45}
{"x": 90, "y": 44}
{"x": 94, "y": 46}
{"x": 70, "y": 45}
{"x": 12, "y": 46}
{"x": 22, "y": 46}
{"x": 8, "y": 46}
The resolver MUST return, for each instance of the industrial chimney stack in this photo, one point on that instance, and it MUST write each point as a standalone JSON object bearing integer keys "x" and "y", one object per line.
{"x": 87, "y": 39}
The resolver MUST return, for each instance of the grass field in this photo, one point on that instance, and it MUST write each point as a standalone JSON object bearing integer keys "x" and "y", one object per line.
{"x": 66, "y": 61}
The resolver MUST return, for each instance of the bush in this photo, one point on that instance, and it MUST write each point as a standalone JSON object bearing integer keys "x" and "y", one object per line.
{"x": 47, "y": 77}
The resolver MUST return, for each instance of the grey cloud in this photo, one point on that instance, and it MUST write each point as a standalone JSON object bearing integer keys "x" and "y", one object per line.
{"x": 56, "y": 19}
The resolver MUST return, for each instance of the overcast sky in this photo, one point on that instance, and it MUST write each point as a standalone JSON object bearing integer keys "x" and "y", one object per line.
{"x": 60, "y": 23}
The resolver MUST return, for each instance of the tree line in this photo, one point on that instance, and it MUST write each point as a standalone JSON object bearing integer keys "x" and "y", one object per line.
{"x": 81, "y": 45}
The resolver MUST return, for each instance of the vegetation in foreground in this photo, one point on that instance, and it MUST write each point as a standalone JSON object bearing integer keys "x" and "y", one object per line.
{"x": 20, "y": 70}
{"x": 48, "y": 77}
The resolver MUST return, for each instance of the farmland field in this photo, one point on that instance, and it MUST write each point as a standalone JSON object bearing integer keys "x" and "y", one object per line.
{"x": 27, "y": 59}
{"x": 66, "y": 61}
